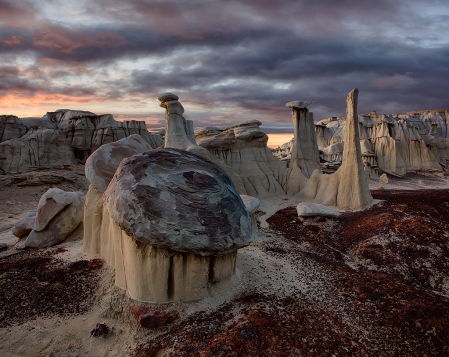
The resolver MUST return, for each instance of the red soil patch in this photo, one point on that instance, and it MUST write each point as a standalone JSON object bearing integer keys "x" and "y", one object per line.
{"x": 35, "y": 283}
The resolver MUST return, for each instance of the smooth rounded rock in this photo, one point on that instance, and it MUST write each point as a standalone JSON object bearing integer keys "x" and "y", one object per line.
{"x": 25, "y": 224}
{"x": 102, "y": 164}
{"x": 177, "y": 200}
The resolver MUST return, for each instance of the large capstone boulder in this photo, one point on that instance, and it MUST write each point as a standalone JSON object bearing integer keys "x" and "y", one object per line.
{"x": 177, "y": 200}
{"x": 102, "y": 164}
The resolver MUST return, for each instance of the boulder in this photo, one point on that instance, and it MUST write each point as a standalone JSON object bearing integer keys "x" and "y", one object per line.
{"x": 383, "y": 178}
{"x": 307, "y": 209}
{"x": 177, "y": 200}
{"x": 24, "y": 225}
{"x": 58, "y": 215}
{"x": 50, "y": 204}
{"x": 102, "y": 164}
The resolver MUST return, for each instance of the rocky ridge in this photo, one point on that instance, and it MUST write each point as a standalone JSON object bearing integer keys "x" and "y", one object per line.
{"x": 63, "y": 137}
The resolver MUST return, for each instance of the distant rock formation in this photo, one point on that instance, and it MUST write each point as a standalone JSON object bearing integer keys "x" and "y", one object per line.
{"x": 170, "y": 223}
{"x": 243, "y": 147}
{"x": 63, "y": 137}
{"x": 304, "y": 156}
{"x": 396, "y": 143}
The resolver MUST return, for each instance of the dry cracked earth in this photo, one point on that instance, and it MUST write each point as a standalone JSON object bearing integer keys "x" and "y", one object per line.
{"x": 387, "y": 287}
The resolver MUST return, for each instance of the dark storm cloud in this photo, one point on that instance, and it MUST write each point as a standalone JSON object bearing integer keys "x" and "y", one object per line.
{"x": 247, "y": 55}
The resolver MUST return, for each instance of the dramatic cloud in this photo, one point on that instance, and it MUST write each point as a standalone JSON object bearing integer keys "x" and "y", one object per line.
{"x": 228, "y": 61}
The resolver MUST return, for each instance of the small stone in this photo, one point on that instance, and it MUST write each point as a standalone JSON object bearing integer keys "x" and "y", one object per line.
{"x": 100, "y": 331}
{"x": 383, "y": 178}
{"x": 167, "y": 97}
{"x": 151, "y": 318}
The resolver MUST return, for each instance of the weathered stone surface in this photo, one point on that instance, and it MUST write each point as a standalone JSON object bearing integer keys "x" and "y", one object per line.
{"x": 25, "y": 224}
{"x": 102, "y": 164}
{"x": 3, "y": 246}
{"x": 58, "y": 214}
{"x": 174, "y": 199}
{"x": 153, "y": 318}
{"x": 307, "y": 209}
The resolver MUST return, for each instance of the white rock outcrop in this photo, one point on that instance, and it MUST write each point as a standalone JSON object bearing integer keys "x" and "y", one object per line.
{"x": 63, "y": 137}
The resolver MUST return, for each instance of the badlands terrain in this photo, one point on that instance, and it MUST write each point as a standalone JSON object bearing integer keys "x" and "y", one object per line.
{"x": 372, "y": 281}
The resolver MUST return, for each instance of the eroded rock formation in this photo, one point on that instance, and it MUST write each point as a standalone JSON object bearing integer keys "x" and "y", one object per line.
{"x": 348, "y": 187}
{"x": 243, "y": 147}
{"x": 396, "y": 143}
{"x": 170, "y": 223}
{"x": 63, "y": 137}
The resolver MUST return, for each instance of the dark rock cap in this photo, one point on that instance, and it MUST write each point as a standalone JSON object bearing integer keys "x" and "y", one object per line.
{"x": 175, "y": 199}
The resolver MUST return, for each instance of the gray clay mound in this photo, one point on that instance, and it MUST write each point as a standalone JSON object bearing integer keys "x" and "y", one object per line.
{"x": 178, "y": 200}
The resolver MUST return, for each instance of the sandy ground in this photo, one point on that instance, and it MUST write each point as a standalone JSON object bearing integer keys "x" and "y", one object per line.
{"x": 70, "y": 335}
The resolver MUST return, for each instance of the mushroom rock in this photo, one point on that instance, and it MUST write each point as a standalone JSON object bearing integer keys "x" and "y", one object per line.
{"x": 170, "y": 223}
{"x": 304, "y": 151}
{"x": 347, "y": 188}
{"x": 25, "y": 224}
{"x": 243, "y": 147}
{"x": 179, "y": 134}
{"x": 102, "y": 164}
{"x": 58, "y": 214}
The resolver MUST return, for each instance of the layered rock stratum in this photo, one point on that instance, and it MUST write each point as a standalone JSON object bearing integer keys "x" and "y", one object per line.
{"x": 63, "y": 137}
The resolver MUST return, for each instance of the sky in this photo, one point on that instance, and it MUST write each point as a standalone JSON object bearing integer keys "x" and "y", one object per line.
{"x": 228, "y": 61}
